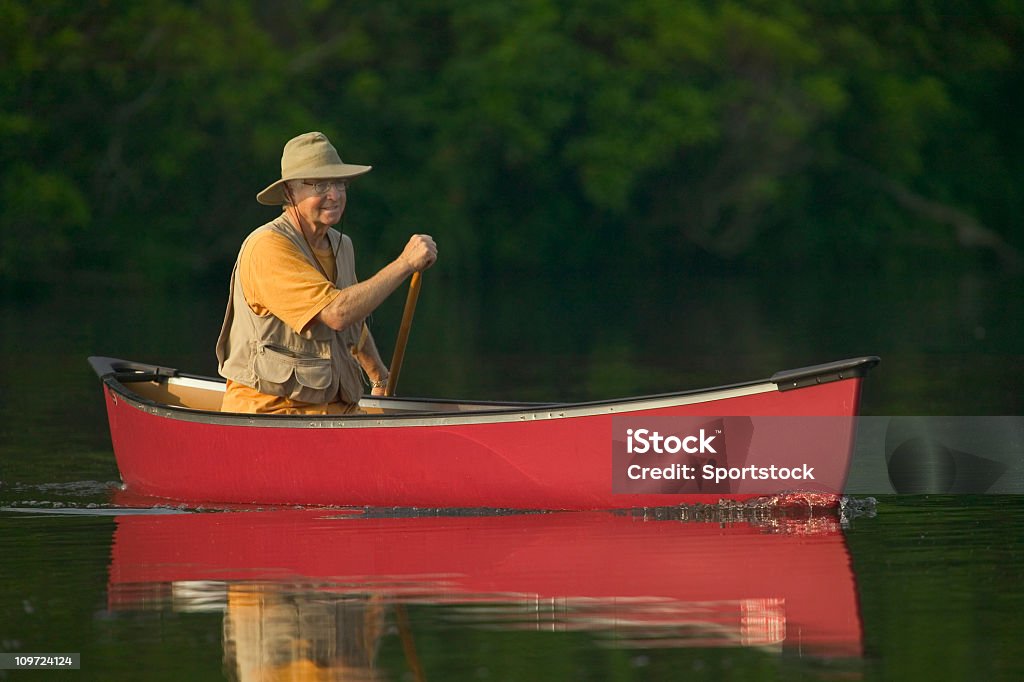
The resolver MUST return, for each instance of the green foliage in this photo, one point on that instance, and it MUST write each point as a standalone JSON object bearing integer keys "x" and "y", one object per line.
{"x": 532, "y": 134}
{"x": 42, "y": 211}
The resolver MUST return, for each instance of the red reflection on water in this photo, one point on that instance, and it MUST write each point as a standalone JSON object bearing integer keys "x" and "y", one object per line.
{"x": 780, "y": 583}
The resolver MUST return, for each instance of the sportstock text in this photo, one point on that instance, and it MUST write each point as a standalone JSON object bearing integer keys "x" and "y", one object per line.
{"x": 646, "y": 441}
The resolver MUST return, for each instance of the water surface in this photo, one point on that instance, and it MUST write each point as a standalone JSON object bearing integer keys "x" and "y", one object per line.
{"x": 910, "y": 587}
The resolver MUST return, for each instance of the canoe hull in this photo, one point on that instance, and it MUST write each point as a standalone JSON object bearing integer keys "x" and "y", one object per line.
{"x": 542, "y": 458}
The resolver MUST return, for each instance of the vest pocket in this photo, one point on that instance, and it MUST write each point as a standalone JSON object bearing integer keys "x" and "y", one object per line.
{"x": 283, "y": 368}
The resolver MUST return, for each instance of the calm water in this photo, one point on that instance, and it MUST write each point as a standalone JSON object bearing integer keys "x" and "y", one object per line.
{"x": 908, "y": 587}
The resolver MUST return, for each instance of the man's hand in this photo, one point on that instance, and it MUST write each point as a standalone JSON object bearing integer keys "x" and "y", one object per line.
{"x": 420, "y": 253}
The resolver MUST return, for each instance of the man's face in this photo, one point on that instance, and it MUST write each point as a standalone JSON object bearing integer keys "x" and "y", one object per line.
{"x": 321, "y": 202}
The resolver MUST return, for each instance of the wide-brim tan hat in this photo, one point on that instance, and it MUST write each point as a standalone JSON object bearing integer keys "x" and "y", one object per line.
{"x": 310, "y": 156}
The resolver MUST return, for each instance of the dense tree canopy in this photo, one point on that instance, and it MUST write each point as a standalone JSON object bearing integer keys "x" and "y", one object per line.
{"x": 524, "y": 134}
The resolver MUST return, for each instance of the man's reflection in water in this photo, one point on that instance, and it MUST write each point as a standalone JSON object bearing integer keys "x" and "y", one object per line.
{"x": 272, "y": 634}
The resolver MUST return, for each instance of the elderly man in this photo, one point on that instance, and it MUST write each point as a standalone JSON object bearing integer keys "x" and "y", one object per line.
{"x": 294, "y": 339}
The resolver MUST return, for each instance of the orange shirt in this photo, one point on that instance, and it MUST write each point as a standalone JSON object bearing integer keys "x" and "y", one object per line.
{"x": 278, "y": 280}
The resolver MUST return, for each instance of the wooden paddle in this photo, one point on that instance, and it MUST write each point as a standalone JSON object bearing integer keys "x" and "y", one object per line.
{"x": 403, "y": 332}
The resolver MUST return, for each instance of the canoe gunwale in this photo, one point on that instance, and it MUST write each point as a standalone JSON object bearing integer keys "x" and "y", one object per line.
{"x": 118, "y": 374}
{"x": 790, "y": 379}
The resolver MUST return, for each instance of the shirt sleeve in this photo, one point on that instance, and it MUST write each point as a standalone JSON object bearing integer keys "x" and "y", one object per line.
{"x": 278, "y": 280}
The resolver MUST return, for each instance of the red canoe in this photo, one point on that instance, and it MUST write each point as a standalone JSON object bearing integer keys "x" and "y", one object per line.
{"x": 791, "y": 432}
{"x": 775, "y": 583}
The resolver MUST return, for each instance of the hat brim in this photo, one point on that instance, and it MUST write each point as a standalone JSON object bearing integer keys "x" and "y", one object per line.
{"x": 274, "y": 194}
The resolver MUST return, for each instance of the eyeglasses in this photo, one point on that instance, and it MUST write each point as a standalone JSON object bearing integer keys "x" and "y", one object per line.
{"x": 322, "y": 187}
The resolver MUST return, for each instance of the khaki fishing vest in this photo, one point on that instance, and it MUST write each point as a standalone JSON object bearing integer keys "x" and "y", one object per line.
{"x": 264, "y": 353}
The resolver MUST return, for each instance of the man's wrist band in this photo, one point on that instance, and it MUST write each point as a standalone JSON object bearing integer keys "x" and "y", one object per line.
{"x": 380, "y": 383}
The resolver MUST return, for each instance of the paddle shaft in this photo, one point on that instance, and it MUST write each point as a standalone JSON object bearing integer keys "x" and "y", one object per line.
{"x": 403, "y": 332}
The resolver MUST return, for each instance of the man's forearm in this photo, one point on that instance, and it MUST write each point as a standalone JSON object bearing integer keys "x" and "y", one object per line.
{"x": 355, "y": 303}
{"x": 369, "y": 359}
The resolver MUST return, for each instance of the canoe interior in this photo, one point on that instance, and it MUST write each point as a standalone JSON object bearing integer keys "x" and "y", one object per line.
{"x": 208, "y": 394}
{"x": 164, "y": 386}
